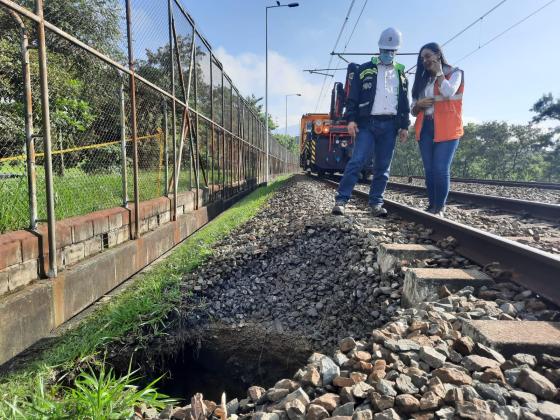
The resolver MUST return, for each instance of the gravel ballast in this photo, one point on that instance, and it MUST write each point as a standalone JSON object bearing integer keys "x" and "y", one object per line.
{"x": 297, "y": 268}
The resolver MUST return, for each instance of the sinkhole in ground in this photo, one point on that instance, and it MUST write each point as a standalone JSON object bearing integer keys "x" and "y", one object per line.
{"x": 225, "y": 359}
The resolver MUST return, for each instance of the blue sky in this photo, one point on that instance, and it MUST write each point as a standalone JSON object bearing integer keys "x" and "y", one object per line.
{"x": 502, "y": 80}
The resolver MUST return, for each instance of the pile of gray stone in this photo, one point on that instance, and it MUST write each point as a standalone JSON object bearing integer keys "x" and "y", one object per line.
{"x": 297, "y": 268}
{"x": 419, "y": 365}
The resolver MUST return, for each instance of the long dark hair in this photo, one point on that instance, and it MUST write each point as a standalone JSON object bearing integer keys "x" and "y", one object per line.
{"x": 422, "y": 75}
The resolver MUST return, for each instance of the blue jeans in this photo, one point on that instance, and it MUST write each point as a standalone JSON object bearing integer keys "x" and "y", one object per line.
{"x": 437, "y": 158}
{"x": 377, "y": 138}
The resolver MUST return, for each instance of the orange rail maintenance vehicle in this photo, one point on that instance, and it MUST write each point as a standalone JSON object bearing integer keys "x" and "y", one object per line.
{"x": 325, "y": 144}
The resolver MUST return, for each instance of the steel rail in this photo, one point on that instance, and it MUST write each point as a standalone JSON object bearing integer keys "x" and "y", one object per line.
{"x": 523, "y": 184}
{"x": 532, "y": 268}
{"x": 537, "y": 209}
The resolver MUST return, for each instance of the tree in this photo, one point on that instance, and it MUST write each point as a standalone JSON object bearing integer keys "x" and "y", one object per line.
{"x": 254, "y": 103}
{"x": 289, "y": 142}
{"x": 492, "y": 150}
{"x": 71, "y": 115}
{"x": 547, "y": 108}
{"x": 406, "y": 161}
{"x": 96, "y": 22}
{"x": 468, "y": 157}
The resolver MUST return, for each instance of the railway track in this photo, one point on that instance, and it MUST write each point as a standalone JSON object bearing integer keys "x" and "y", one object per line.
{"x": 532, "y": 268}
{"x": 524, "y": 184}
{"x": 536, "y": 209}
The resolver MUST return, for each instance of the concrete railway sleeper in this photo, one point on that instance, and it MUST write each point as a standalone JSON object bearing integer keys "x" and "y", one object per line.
{"x": 300, "y": 314}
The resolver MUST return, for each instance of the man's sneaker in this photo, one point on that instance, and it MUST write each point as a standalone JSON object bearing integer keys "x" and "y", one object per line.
{"x": 440, "y": 212}
{"x": 377, "y": 211}
{"x": 339, "y": 208}
{"x": 430, "y": 209}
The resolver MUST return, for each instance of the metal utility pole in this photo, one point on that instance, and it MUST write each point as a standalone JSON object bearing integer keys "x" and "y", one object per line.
{"x": 266, "y": 78}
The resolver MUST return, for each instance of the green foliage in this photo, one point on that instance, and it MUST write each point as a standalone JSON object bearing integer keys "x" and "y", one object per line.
{"x": 254, "y": 103}
{"x": 94, "y": 395}
{"x": 103, "y": 160}
{"x": 492, "y": 150}
{"x": 546, "y": 108}
{"x": 289, "y": 142}
{"x": 104, "y": 396}
{"x": 72, "y": 114}
{"x": 144, "y": 309}
{"x": 81, "y": 190}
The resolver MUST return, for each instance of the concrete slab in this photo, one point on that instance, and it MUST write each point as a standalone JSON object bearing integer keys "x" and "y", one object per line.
{"x": 423, "y": 284}
{"x": 510, "y": 337}
{"x": 388, "y": 255}
{"x": 25, "y": 317}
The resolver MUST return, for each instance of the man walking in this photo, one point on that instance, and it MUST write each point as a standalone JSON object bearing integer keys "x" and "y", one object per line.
{"x": 377, "y": 110}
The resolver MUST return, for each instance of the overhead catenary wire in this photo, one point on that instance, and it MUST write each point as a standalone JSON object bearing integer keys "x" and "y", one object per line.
{"x": 371, "y": 53}
{"x": 519, "y": 22}
{"x": 334, "y": 48}
{"x": 340, "y": 57}
{"x": 322, "y": 71}
{"x": 472, "y": 24}
{"x": 466, "y": 28}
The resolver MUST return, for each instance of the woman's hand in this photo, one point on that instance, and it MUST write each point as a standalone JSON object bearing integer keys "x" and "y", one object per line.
{"x": 433, "y": 66}
{"x": 425, "y": 103}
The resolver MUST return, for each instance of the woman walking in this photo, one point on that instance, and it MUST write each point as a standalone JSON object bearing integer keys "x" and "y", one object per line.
{"x": 437, "y": 102}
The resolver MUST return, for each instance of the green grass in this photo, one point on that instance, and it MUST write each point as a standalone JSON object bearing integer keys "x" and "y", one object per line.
{"x": 78, "y": 193}
{"x": 146, "y": 304}
{"x": 96, "y": 394}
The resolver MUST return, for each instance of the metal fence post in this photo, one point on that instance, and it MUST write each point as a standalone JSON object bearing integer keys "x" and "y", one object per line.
{"x": 29, "y": 141}
{"x": 173, "y": 109}
{"x": 43, "y": 76}
{"x": 124, "y": 177}
{"x": 196, "y": 155}
{"x": 133, "y": 121}
{"x": 165, "y": 151}
{"x": 211, "y": 126}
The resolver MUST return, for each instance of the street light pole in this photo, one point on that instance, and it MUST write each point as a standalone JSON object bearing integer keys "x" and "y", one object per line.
{"x": 266, "y": 91}
{"x": 291, "y": 94}
{"x": 266, "y": 79}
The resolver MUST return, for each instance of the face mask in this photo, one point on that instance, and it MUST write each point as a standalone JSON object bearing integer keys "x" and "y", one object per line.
{"x": 386, "y": 57}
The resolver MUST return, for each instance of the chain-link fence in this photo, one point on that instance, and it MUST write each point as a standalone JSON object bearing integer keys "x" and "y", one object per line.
{"x": 120, "y": 101}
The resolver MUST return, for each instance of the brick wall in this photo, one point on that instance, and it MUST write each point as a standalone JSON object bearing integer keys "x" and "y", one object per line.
{"x": 95, "y": 255}
{"x": 22, "y": 253}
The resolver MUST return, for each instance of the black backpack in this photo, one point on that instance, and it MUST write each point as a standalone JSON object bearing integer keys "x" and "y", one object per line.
{"x": 338, "y": 100}
{"x": 340, "y": 94}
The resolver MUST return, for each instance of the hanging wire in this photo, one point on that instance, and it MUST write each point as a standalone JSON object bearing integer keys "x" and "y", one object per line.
{"x": 505, "y": 31}
{"x": 348, "y": 40}
{"x": 473, "y": 23}
{"x": 334, "y": 48}
{"x": 466, "y": 28}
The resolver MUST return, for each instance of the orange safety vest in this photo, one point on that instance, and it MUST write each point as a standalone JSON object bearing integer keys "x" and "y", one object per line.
{"x": 448, "y": 121}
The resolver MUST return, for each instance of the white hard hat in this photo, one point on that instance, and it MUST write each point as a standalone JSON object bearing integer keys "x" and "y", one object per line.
{"x": 390, "y": 39}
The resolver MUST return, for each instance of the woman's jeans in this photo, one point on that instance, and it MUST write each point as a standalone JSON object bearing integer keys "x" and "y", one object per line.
{"x": 437, "y": 159}
{"x": 375, "y": 140}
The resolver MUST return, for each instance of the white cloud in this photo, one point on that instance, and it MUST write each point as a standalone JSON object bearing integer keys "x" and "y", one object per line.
{"x": 247, "y": 71}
